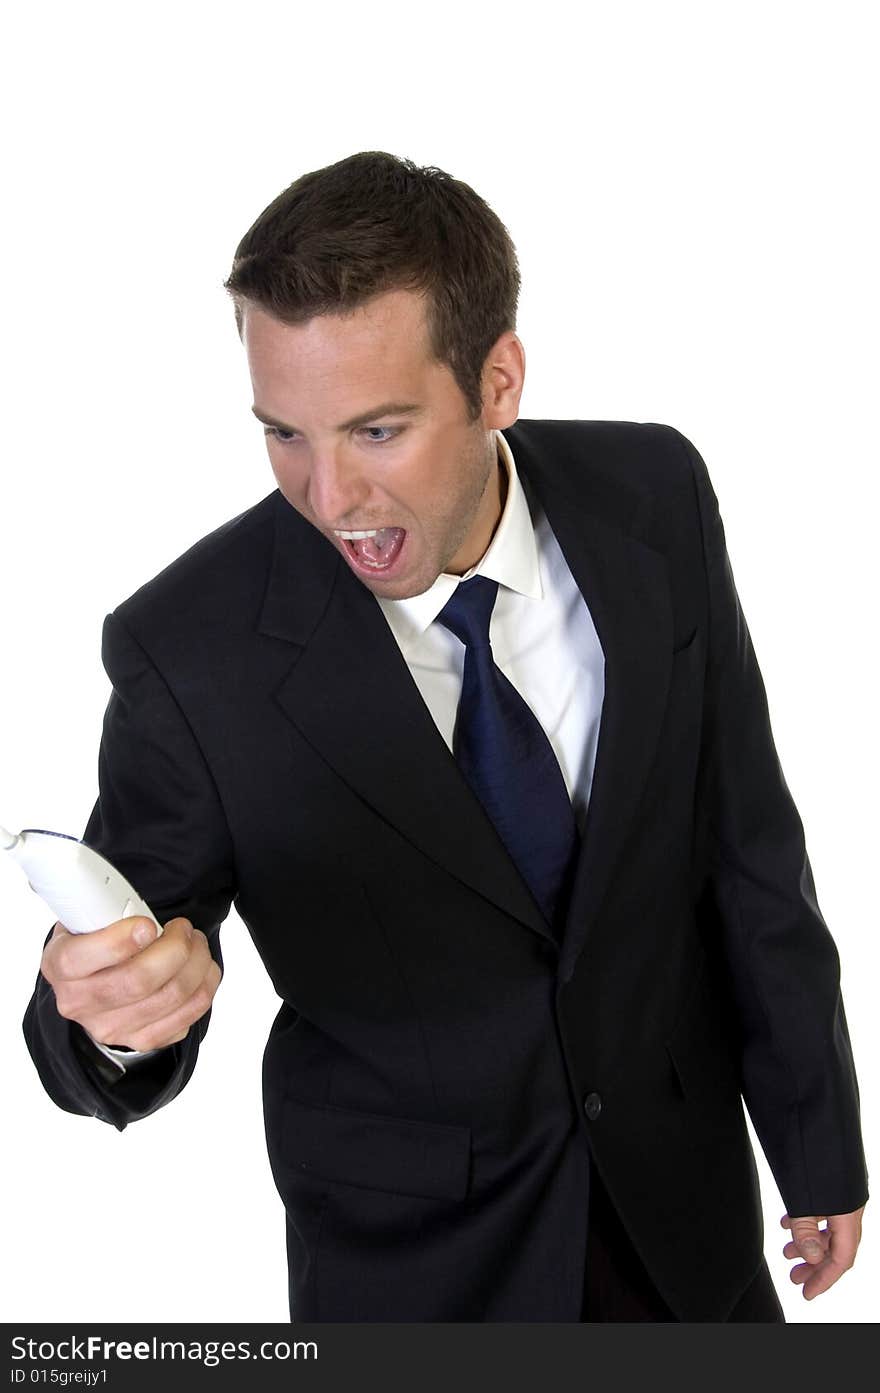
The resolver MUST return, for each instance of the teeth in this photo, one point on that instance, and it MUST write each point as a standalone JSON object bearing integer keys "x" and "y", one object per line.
{"x": 356, "y": 536}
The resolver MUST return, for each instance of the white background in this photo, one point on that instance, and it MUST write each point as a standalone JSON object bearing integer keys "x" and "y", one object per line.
{"x": 690, "y": 188}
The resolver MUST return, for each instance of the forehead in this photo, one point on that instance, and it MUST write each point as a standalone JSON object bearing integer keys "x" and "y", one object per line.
{"x": 389, "y": 331}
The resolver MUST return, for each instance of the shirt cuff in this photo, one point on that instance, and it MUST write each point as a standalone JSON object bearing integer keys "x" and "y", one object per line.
{"x": 120, "y": 1054}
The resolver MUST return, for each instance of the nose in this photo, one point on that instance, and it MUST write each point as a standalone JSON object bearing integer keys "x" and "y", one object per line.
{"x": 336, "y": 490}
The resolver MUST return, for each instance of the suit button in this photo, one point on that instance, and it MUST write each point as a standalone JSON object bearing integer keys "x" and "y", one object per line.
{"x": 592, "y": 1106}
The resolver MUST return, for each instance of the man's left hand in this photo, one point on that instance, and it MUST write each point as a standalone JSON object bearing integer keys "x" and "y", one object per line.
{"x": 826, "y": 1253}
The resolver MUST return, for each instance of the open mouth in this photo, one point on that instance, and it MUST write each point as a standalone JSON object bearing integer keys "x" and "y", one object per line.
{"x": 375, "y": 551}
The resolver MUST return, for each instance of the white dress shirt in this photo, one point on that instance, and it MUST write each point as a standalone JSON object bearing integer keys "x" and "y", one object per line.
{"x": 542, "y": 636}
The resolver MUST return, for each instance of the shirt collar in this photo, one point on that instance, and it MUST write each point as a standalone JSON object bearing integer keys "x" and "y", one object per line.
{"x": 511, "y": 558}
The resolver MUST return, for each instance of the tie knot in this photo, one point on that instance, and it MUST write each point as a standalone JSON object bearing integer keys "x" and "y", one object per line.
{"x": 468, "y": 610}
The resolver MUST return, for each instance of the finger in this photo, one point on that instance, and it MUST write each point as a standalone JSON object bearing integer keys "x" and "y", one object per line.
{"x": 844, "y": 1234}
{"x": 68, "y": 956}
{"x": 118, "y": 1027}
{"x": 816, "y": 1280}
{"x": 786, "y": 1221}
{"x": 177, "y": 1023}
{"x": 181, "y": 1035}
{"x": 805, "y": 1231}
{"x": 791, "y": 1249}
{"x": 131, "y": 980}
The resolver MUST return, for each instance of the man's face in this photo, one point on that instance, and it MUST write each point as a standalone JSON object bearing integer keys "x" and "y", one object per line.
{"x": 428, "y": 475}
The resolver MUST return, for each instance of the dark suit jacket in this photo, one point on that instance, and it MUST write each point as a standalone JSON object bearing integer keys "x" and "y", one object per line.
{"x": 442, "y": 1070}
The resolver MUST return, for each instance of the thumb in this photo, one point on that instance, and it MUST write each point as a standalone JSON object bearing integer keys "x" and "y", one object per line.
{"x": 805, "y": 1232}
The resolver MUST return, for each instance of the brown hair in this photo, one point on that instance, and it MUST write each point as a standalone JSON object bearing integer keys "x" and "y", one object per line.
{"x": 375, "y": 222}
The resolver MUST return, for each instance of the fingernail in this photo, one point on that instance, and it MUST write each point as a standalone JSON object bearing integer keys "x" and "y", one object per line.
{"x": 144, "y": 933}
{"x": 812, "y": 1249}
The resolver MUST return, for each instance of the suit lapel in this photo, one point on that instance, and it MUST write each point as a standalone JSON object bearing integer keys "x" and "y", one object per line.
{"x": 351, "y": 695}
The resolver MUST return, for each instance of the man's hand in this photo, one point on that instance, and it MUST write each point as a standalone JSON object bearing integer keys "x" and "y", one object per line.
{"x": 827, "y": 1253}
{"x": 125, "y": 992}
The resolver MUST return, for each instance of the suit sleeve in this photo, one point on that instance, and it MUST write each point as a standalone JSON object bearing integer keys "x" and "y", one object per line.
{"x": 159, "y": 819}
{"x": 758, "y": 902}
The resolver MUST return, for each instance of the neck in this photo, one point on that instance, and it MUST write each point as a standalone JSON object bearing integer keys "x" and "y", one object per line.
{"x": 491, "y": 507}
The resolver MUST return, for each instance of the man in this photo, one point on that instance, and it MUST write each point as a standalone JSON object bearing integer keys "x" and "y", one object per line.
{"x": 465, "y": 719}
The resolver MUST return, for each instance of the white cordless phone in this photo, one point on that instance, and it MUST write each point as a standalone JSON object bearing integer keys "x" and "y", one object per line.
{"x": 81, "y": 887}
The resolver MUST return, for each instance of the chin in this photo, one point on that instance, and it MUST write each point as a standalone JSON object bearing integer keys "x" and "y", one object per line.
{"x": 400, "y": 589}
{"x": 405, "y": 587}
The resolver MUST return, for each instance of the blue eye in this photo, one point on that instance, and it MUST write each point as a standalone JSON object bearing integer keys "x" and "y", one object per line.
{"x": 285, "y": 436}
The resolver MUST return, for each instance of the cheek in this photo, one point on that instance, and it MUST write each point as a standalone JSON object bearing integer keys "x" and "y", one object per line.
{"x": 441, "y": 499}
{"x": 286, "y": 475}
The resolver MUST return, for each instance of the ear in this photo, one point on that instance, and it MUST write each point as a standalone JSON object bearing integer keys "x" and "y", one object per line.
{"x": 502, "y": 381}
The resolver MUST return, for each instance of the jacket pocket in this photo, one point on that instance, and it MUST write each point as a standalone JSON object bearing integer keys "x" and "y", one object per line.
{"x": 376, "y": 1151}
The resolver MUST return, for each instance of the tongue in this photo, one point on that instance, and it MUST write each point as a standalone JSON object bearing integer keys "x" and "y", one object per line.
{"x": 381, "y": 549}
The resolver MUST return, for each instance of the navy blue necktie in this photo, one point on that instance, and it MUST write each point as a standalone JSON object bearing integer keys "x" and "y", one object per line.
{"x": 506, "y": 758}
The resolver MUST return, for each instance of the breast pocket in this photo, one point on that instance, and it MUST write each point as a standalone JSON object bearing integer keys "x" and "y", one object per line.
{"x": 377, "y": 1151}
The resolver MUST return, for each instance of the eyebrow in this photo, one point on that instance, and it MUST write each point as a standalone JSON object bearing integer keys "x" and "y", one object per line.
{"x": 388, "y": 408}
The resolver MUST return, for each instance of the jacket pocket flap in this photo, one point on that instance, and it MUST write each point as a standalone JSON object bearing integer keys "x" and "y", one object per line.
{"x": 377, "y": 1151}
